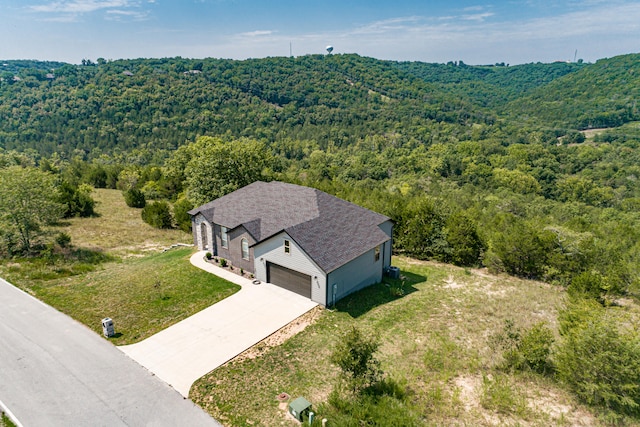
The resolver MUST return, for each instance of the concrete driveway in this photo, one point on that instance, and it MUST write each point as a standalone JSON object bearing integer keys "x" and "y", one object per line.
{"x": 55, "y": 371}
{"x": 195, "y": 346}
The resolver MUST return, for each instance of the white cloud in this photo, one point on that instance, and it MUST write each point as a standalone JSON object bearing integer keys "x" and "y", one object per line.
{"x": 477, "y": 16}
{"x": 473, "y": 8}
{"x": 476, "y": 40}
{"x": 117, "y": 14}
{"x": 257, "y": 33}
{"x": 384, "y": 26}
{"x": 79, "y": 6}
{"x": 64, "y": 18}
{"x": 72, "y": 10}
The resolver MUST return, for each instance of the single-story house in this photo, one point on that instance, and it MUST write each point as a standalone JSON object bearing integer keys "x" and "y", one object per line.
{"x": 296, "y": 237}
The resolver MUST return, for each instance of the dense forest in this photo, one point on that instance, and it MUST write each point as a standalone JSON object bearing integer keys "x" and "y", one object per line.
{"x": 332, "y": 100}
{"x": 463, "y": 158}
{"x": 532, "y": 170}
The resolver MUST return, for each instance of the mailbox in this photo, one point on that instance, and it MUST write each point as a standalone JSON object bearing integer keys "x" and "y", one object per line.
{"x": 107, "y": 327}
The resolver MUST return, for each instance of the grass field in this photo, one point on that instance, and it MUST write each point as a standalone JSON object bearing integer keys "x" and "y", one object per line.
{"x": 141, "y": 295}
{"x": 116, "y": 269}
{"x": 434, "y": 339}
{"x": 119, "y": 229}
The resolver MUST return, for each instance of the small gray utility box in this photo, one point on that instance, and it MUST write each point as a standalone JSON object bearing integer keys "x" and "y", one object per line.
{"x": 299, "y": 408}
{"x": 107, "y": 327}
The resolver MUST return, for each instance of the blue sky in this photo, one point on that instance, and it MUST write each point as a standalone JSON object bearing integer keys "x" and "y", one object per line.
{"x": 476, "y": 32}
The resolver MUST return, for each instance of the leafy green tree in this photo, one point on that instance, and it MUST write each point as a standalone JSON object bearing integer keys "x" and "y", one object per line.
{"x": 134, "y": 198}
{"x": 599, "y": 357}
{"x": 220, "y": 167}
{"x": 584, "y": 190}
{"x": 421, "y": 232}
{"x": 28, "y": 204}
{"x": 525, "y": 349}
{"x": 158, "y": 215}
{"x": 462, "y": 236}
{"x": 153, "y": 190}
{"x": 589, "y": 284}
{"x": 570, "y": 255}
{"x": 519, "y": 248}
{"x": 97, "y": 176}
{"x": 355, "y": 356}
{"x": 180, "y": 214}
{"x": 128, "y": 179}
{"x": 77, "y": 200}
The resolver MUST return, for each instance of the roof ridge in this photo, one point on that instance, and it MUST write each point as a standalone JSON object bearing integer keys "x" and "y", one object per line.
{"x": 328, "y": 228}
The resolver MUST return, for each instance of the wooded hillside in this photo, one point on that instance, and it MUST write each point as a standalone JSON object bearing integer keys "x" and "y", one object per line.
{"x": 340, "y": 99}
{"x": 490, "y": 166}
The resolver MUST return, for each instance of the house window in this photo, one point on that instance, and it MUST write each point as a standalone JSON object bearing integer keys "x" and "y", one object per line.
{"x": 287, "y": 247}
{"x": 224, "y": 237}
{"x": 245, "y": 248}
{"x": 376, "y": 254}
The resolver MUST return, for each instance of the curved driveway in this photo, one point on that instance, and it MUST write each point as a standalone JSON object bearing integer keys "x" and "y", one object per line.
{"x": 195, "y": 346}
{"x": 56, "y": 372}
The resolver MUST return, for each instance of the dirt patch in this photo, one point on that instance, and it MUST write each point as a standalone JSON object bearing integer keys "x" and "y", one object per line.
{"x": 590, "y": 133}
{"x": 450, "y": 283}
{"x": 484, "y": 273}
{"x": 492, "y": 292}
{"x": 280, "y": 336}
{"x": 469, "y": 386}
{"x": 559, "y": 411}
{"x": 138, "y": 251}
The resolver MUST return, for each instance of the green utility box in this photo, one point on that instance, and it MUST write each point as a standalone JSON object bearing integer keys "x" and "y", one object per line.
{"x": 299, "y": 408}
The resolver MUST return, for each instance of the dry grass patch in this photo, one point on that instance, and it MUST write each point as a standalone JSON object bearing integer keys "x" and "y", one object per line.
{"x": 280, "y": 336}
{"x": 435, "y": 340}
{"x": 119, "y": 229}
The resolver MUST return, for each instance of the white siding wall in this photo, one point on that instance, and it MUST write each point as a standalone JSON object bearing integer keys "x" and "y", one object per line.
{"x": 272, "y": 250}
{"x": 197, "y": 227}
{"x": 355, "y": 275}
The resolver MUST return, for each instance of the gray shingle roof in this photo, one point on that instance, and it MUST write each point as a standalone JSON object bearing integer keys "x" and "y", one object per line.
{"x": 330, "y": 230}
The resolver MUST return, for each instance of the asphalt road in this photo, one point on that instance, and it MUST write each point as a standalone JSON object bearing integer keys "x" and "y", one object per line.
{"x": 54, "y": 371}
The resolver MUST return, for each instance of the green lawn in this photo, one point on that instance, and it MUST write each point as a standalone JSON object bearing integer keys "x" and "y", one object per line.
{"x": 115, "y": 268}
{"x": 141, "y": 295}
{"x": 435, "y": 340}
{"x": 5, "y": 421}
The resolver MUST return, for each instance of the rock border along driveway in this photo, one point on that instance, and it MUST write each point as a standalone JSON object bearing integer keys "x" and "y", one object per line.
{"x": 188, "y": 350}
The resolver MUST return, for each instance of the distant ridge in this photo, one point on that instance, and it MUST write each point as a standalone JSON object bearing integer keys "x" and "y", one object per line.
{"x": 334, "y": 100}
